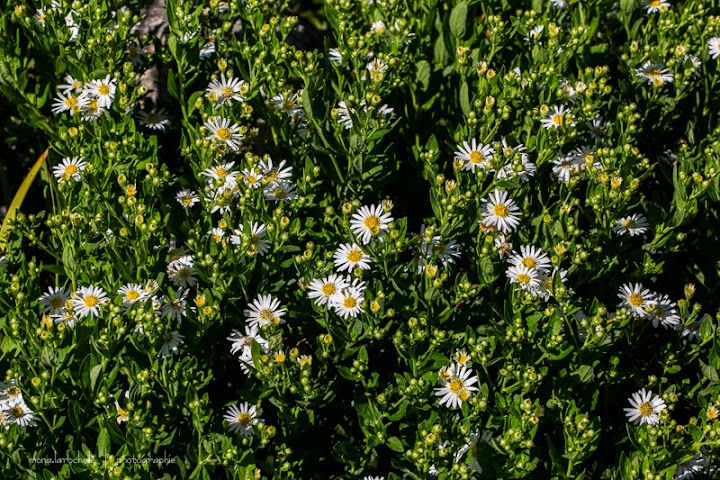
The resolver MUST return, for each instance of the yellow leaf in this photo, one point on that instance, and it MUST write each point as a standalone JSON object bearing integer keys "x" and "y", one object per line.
{"x": 19, "y": 197}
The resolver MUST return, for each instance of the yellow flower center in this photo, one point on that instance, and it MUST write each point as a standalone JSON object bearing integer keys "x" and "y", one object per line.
{"x": 354, "y": 256}
{"x": 500, "y": 210}
{"x": 280, "y": 357}
{"x": 287, "y": 104}
{"x": 529, "y": 262}
{"x": 70, "y": 102}
{"x": 227, "y": 92}
{"x": 122, "y": 413}
{"x": 523, "y": 278}
{"x": 328, "y": 289}
{"x": 477, "y": 158}
{"x": 91, "y": 301}
{"x": 372, "y": 222}
{"x": 103, "y": 89}
{"x": 13, "y": 391}
{"x": 464, "y": 395}
{"x": 636, "y": 300}
{"x": 349, "y": 302}
{"x": 279, "y": 193}
{"x": 557, "y": 119}
{"x": 456, "y": 385}
{"x": 252, "y": 179}
{"x": 646, "y": 409}
{"x": 266, "y": 314}
{"x": 17, "y": 412}
{"x": 224, "y": 134}
{"x": 56, "y": 302}
{"x": 712, "y": 413}
{"x": 71, "y": 169}
{"x": 132, "y": 295}
{"x": 244, "y": 419}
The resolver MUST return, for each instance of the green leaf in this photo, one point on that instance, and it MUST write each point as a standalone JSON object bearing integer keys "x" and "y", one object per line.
{"x": 395, "y": 444}
{"x": 710, "y": 373}
{"x": 458, "y": 20}
{"x": 192, "y": 100}
{"x": 94, "y": 374}
{"x": 172, "y": 85}
{"x": 422, "y": 74}
{"x": 465, "y": 98}
{"x": 103, "y": 443}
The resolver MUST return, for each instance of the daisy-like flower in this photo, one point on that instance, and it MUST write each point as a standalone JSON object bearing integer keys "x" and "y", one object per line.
{"x": 636, "y": 298}
{"x": 182, "y": 272}
{"x": 171, "y": 342}
{"x": 566, "y": 166}
{"x": 471, "y": 448}
{"x": 280, "y": 190}
{"x": 547, "y": 281}
{"x": 695, "y": 466}
{"x": 462, "y": 357}
{"x": 557, "y": 117}
{"x": 102, "y": 90}
{"x": 131, "y": 293}
{"x": 88, "y": 300}
{"x": 156, "y": 119}
{"x": 561, "y": 4}
{"x": 303, "y": 360}
{"x": 503, "y": 246}
{"x": 376, "y": 70}
{"x": 264, "y": 310}
{"x": 345, "y": 114}
{"x": 531, "y": 257}
{"x": 369, "y": 222}
{"x": 527, "y": 278}
{"x": 226, "y": 90}
{"x": 347, "y": 302}
{"x": 71, "y": 85}
{"x": 350, "y": 256}
{"x": 217, "y": 234}
{"x": 597, "y": 127}
{"x": 243, "y": 418}
{"x": 18, "y": 413}
{"x": 692, "y": 331}
{"x": 258, "y": 244}
{"x": 187, "y": 198}
{"x": 322, "y": 290}
{"x": 662, "y": 312}
{"x": 335, "y": 56}
{"x": 475, "y": 155}
{"x": 66, "y": 317}
{"x": 252, "y": 178}
{"x": 635, "y": 224}
{"x": 69, "y": 102}
{"x": 714, "y": 47}
{"x": 287, "y": 102}
{"x": 176, "y": 308}
{"x": 91, "y": 110}
{"x": 655, "y": 6}
{"x": 645, "y": 408}
{"x": 9, "y": 391}
{"x": 53, "y": 301}
{"x": 379, "y": 28}
{"x": 500, "y": 212}
{"x": 221, "y": 175}
{"x": 273, "y": 173}
{"x": 457, "y": 386}
{"x": 445, "y": 252}
{"x": 224, "y": 132}
{"x": 655, "y": 73}
{"x": 70, "y": 168}
{"x": 242, "y": 343}
{"x": 534, "y": 34}
{"x": 122, "y": 414}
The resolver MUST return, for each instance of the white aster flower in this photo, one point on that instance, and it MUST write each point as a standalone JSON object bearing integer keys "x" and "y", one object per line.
{"x": 171, "y": 342}
{"x": 456, "y": 385}
{"x": 645, "y": 408}
{"x": 566, "y": 166}
{"x": 88, "y": 300}
{"x": 53, "y": 301}
{"x": 377, "y": 69}
{"x": 635, "y": 224}
{"x": 102, "y": 90}
{"x": 531, "y": 257}
{"x": 655, "y": 6}
{"x": 18, "y": 413}
{"x": 636, "y": 298}
{"x": 273, "y": 173}
{"x": 557, "y": 117}
{"x": 655, "y": 73}
{"x": 69, "y": 102}
{"x": 475, "y": 155}
{"x": 71, "y": 85}
{"x": 280, "y": 190}
{"x": 714, "y": 47}
{"x": 322, "y": 290}
{"x": 500, "y": 212}
{"x": 662, "y": 312}
{"x": 347, "y": 302}
{"x": 70, "y": 168}
{"x": 243, "y": 342}
{"x": 252, "y": 178}
{"x": 287, "y": 102}
{"x": 131, "y": 293}
{"x": 264, "y": 310}
{"x": 369, "y": 222}
{"x": 257, "y": 242}
{"x": 243, "y": 418}
{"x": 527, "y": 278}
{"x": 350, "y": 256}
{"x": 226, "y": 90}
{"x": 187, "y": 198}
{"x": 156, "y": 119}
{"x": 224, "y": 132}
{"x": 182, "y": 272}
{"x": 176, "y": 308}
